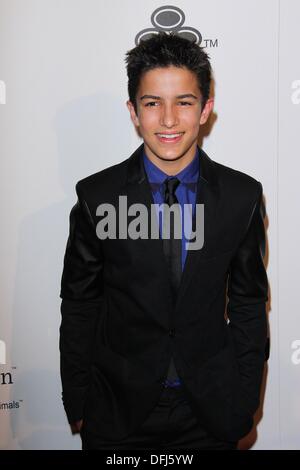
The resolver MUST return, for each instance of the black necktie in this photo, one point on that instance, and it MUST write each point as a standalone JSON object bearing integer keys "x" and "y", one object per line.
{"x": 172, "y": 245}
{"x": 172, "y": 251}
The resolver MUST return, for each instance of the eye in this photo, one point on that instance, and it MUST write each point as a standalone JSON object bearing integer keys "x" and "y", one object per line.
{"x": 150, "y": 103}
{"x": 185, "y": 102}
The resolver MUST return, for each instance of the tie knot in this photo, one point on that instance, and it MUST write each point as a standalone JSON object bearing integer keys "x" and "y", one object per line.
{"x": 171, "y": 185}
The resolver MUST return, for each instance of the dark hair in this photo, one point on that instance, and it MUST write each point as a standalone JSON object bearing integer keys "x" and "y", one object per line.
{"x": 163, "y": 50}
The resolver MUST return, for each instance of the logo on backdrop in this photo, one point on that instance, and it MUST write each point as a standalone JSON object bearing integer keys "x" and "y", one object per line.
{"x": 2, "y": 352}
{"x": 6, "y": 379}
{"x": 169, "y": 18}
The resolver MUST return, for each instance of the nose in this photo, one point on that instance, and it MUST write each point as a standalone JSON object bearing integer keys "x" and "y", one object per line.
{"x": 168, "y": 116}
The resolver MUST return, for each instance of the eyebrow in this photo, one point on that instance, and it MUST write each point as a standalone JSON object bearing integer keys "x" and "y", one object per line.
{"x": 186, "y": 95}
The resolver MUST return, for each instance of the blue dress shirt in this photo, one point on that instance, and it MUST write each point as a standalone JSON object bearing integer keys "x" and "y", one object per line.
{"x": 185, "y": 193}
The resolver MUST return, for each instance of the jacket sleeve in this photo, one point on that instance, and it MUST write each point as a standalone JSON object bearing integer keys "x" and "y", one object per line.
{"x": 247, "y": 294}
{"x": 81, "y": 306}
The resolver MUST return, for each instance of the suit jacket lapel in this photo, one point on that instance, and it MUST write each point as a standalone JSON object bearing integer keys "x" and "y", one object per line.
{"x": 208, "y": 195}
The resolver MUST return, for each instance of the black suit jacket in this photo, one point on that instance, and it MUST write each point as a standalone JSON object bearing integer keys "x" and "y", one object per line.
{"x": 120, "y": 327}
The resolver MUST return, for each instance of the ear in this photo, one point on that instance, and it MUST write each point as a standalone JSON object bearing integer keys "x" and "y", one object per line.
{"x": 206, "y": 111}
{"x": 132, "y": 112}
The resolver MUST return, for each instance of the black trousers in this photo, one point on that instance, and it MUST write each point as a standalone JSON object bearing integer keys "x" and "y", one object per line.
{"x": 170, "y": 425}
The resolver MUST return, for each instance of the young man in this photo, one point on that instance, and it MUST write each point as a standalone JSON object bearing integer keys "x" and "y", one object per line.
{"x": 149, "y": 360}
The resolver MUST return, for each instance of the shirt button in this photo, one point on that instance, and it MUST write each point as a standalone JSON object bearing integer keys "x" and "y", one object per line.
{"x": 172, "y": 333}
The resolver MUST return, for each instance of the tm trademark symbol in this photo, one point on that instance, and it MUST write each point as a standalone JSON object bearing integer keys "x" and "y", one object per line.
{"x": 211, "y": 42}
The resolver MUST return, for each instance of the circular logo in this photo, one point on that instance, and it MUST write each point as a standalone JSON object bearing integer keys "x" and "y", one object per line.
{"x": 170, "y": 20}
{"x": 167, "y": 18}
{"x": 191, "y": 34}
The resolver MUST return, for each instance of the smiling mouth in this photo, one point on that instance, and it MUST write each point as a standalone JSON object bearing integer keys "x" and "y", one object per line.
{"x": 170, "y": 138}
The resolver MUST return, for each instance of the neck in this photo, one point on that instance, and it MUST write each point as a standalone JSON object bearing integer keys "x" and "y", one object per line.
{"x": 168, "y": 166}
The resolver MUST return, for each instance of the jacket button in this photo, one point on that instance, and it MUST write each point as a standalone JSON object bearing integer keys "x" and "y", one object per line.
{"x": 172, "y": 333}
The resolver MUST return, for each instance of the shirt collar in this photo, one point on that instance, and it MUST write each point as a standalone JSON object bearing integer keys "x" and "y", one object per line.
{"x": 189, "y": 174}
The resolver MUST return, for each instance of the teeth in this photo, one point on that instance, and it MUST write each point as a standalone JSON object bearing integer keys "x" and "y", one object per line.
{"x": 169, "y": 136}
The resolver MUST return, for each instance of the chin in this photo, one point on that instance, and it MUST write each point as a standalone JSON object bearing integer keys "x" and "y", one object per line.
{"x": 167, "y": 157}
{"x": 171, "y": 158}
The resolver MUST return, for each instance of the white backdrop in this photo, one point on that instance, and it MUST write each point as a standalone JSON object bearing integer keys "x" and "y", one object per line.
{"x": 63, "y": 89}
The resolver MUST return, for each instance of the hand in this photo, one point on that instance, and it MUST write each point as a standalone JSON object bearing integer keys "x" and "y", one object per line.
{"x": 76, "y": 426}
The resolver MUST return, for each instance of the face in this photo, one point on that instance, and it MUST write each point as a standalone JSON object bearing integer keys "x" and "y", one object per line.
{"x": 169, "y": 113}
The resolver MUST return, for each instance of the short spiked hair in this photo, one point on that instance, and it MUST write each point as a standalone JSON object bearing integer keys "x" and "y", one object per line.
{"x": 163, "y": 50}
